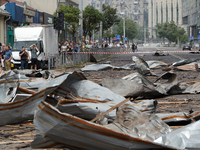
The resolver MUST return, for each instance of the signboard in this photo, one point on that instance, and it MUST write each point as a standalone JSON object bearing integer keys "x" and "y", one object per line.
{"x": 198, "y": 36}
{"x": 191, "y": 38}
{"x": 125, "y": 39}
{"x": 117, "y": 37}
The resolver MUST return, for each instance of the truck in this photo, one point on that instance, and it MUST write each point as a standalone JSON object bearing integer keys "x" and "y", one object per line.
{"x": 44, "y": 36}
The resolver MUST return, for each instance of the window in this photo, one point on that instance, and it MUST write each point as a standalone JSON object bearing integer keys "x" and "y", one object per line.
{"x": 185, "y": 20}
{"x": 97, "y": 5}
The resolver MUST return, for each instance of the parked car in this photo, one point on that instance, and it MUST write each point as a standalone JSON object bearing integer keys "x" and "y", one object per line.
{"x": 195, "y": 45}
{"x": 186, "y": 46}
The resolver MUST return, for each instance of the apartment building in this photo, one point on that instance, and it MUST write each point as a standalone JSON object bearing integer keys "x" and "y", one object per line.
{"x": 133, "y": 9}
{"x": 161, "y": 11}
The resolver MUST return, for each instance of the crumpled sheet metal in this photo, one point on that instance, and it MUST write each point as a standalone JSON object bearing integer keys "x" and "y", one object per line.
{"x": 185, "y": 61}
{"x": 19, "y": 111}
{"x": 88, "y": 135}
{"x": 179, "y": 116}
{"x": 172, "y": 81}
{"x": 141, "y": 66}
{"x": 186, "y": 137}
{"x": 190, "y": 87}
{"x": 22, "y": 110}
{"x": 153, "y": 64}
{"x": 188, "y": 67}
{"x": 99, "y": 67}
{"x": 131, "y": 121}
{"x": 88, "y": 109}
{"x": 8, "y": 90}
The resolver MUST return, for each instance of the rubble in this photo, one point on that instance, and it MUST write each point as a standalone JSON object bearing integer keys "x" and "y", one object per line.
{"x": 141, "y": 66}
{"x": 186, "y": 137}
{"x": 50, "y": 120}
{"x": 156, "y": 64}
{"x": 185, "y": 61}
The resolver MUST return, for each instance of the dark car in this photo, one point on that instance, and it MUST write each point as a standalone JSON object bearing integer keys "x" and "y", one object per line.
{"x": 186, "y": 46}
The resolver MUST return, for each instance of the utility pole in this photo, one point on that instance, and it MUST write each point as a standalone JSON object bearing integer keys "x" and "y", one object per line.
{"x": 124, "y": 27}
{"x": 81, "y": 25}
{"x": 100, "y": 31}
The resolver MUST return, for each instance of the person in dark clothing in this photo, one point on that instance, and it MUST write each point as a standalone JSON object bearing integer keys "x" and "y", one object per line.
{"x": 133, "y": 47}
{"x": 24, "y": 58}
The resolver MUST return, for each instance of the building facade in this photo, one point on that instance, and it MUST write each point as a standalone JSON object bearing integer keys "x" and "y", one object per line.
{"x": 4, "y": 16}
{"x": 48, "y": 6}
{"x": 191, "y": 17}
{"x": 161, "y": 11}
{"x": 133, "y": 9}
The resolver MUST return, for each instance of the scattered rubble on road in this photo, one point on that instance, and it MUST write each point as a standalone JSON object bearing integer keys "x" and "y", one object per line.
{"x": 61, "y": 107}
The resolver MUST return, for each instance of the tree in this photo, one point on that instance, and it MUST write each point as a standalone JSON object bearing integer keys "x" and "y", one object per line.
{"x": 91, "y": 20}
{"x": 171, "y": 31}
{"x": 71, "y": 16}
{"x": 140, "y": 33}
{"x": 110, "y": 17}
{"x": 130, "y": 28}
{"x": 182, "y": 37}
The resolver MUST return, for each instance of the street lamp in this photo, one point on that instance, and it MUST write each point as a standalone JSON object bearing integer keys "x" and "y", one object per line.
{"x": 123, "y": 14}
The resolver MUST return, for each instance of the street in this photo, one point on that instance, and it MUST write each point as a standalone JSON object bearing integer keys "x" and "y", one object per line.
{"x": 21, "y": 135}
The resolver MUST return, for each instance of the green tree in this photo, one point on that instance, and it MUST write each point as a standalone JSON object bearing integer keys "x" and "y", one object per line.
{"x": 171, "y": 31}
{"x": 182, "y": 37}
{"x": 91, "y": 20}
{"x": 110, "y": 17}
{"x": 130, "y": 29}
{"x": 71, "y": 16}
{"x": 108, "y": 34}
{"x": 140, "y": 33}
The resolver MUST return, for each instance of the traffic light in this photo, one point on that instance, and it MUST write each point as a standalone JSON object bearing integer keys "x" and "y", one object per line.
{"x": 59, "y": 22}
{"x": 55, "y": 24}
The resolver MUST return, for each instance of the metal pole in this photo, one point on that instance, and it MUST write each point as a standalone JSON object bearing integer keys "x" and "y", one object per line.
{"x": 124, "y": 28}
{"x": 100, "y": 38}
{"x": 81, "y": 24}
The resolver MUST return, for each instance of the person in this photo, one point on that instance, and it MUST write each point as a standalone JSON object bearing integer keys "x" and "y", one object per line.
{"x": 133, "y": 47}
{"x": 84, "y": 47}
{"x": 7, "y": 58}
{"x": 136, "y": 47}
{"x": 76, "y": 46}
{"x": 10, "y": 46}
{"x": 24, "y": 58}
{"x": 2, "y": 56}
{"x": 34, "y": 60}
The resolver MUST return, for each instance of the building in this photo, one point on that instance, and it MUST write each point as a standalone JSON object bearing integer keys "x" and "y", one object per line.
{"x": 20, "y": 15}
{"x": 133, "y": 9}
{"x": 191, "y": 17}
{"x": 4, "y": 16}
{"x": 161, "y": 11}
{"x": 48, "y": 6}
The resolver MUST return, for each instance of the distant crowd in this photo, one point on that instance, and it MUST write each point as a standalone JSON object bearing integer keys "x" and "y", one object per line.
{"x": 6, "y": 56}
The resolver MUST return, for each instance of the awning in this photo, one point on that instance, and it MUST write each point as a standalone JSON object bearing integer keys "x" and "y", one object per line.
{"x": 4, "y": 13}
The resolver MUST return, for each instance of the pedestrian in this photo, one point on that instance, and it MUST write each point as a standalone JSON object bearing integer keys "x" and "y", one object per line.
{"x": 136, "y": 47}
{"x": 24, "y": 58}
{"x": 2, "y": 56}
{"x": 7, "y": 58}
{"x": 133, "y": 47}
{"x": 34, "y": 59}
{"x": 10, "y": 46}
{"x": 76, "y": 47}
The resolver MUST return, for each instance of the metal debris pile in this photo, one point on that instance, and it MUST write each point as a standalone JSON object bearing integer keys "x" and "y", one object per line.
{"x": 73, "y": 112}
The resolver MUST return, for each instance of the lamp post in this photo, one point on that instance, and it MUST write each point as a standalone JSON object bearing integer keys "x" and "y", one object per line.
{"x": 100, "y": 31}
{"x": 81, "y": 24}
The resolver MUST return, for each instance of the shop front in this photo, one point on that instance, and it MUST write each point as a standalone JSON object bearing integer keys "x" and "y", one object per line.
{"x": 4, "y": 15}
{"x": 20, "y": 16}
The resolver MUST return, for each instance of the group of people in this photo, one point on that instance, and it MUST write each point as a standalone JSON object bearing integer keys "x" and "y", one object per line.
{"x": 6, "y": 56}
{"x": 25, "y": 57}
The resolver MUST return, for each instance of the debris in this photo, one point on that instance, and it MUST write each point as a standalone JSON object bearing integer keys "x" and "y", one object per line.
{"x": 185, "y": 61}
{"x": 160, "y": 53}
{"x": 141, "y": 66}
{"x": 155, "y": 64}
{"x": 186, "y": 137}
{"x": 97, "y": 67}
{"x": 88, "y": 135}
{"x": 130, "y": 120}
